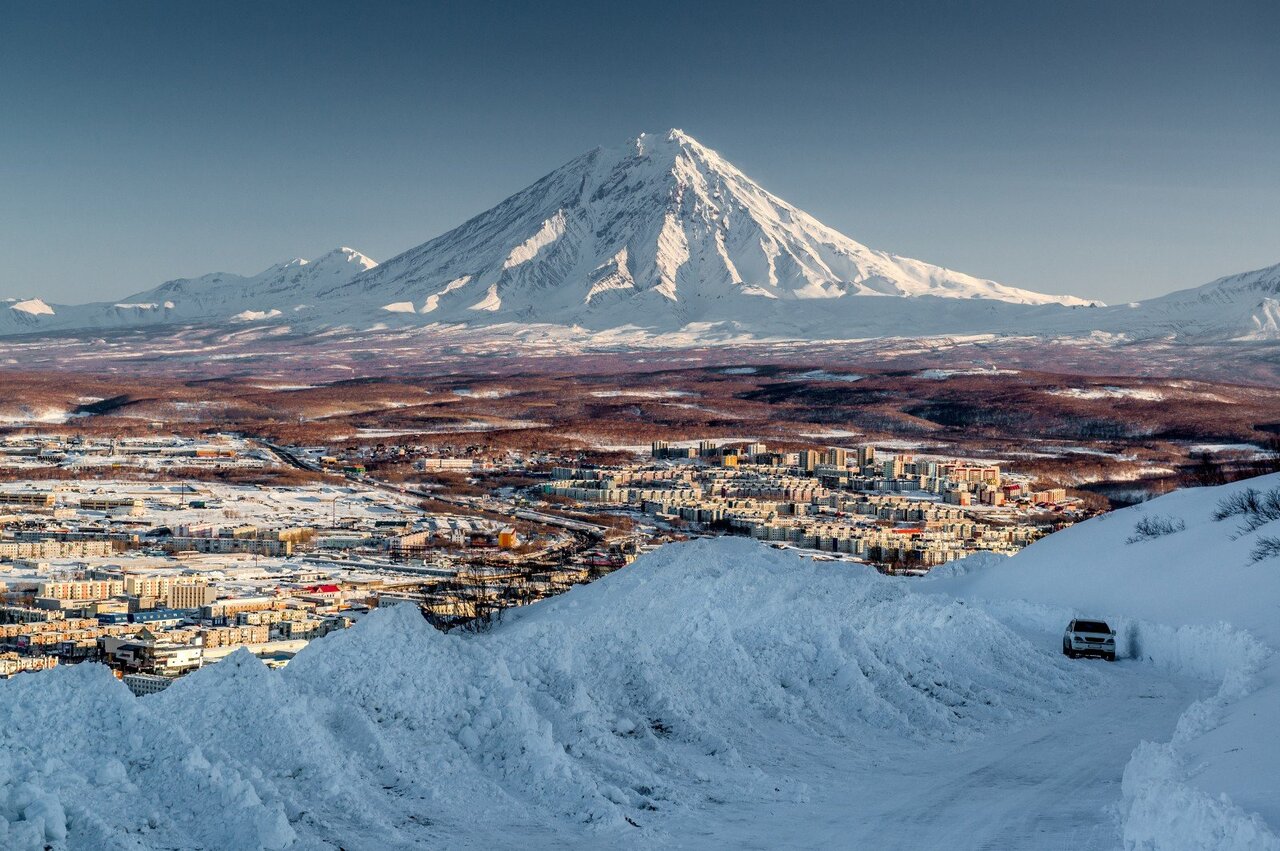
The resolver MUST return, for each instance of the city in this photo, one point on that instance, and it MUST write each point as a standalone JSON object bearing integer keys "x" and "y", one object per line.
{"x": 158, "y": 578}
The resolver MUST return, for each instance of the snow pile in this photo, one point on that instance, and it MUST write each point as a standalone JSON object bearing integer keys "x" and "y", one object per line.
{"x": 969, "y": 564}
{"x": 1190, "y": 601}
{"x": 672, "y": 686}
{"x": 84, "y": 762}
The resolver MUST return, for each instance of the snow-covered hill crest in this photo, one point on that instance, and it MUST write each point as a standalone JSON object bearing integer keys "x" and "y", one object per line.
{"x": 1243, "y": 307}
{"x": 295, "y": 279}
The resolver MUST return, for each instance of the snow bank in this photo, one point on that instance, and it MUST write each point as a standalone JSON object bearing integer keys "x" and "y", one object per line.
{"x": 1161, "y": 810}
{"x": 85, "y": 764}
{"x": 969, "y": 564}
{"x": 675, "y": 685}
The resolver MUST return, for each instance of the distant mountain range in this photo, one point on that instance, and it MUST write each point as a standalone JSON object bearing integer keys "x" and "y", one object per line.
{"x": 659, "y": 236}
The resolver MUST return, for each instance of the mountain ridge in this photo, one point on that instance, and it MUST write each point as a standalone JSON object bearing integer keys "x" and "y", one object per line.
{"x": 657, "y": 236}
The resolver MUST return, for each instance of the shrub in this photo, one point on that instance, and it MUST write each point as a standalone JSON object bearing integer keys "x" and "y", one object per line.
{"x": 1268, "y": 547}
{"x": 1155, "y": 526}
{"x": 1256, "y": 509}
{"x": 1240, "y": 502}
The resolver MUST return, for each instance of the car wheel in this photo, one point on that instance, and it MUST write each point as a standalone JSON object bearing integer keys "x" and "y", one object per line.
{"x": 1110, "y": 657}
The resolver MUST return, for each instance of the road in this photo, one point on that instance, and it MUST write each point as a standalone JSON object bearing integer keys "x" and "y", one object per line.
{"x": 1049, "y": 785}
{"x": 1052, "y": 784}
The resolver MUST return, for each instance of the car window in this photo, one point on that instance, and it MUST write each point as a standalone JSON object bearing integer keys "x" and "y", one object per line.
{"x": 1091, "y": 626}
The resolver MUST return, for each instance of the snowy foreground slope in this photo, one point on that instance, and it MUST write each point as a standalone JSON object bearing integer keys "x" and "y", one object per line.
{"x": 713, "y": 694}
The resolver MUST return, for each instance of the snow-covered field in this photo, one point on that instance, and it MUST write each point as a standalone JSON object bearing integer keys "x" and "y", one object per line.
{"x": 1144, "y": 394}
{"x": 642, "y": 394}
{"x": 944, "y": 374}
{"x": 714, "y": 694}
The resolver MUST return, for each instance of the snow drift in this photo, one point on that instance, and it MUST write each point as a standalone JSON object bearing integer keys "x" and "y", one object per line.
{"x": 673, "y": 686}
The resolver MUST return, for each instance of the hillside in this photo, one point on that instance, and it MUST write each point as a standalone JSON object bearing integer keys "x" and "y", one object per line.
{"x": 712, "y": 693}
{"x": 1238, "y": 307}
{"x": 1182, "y": 589}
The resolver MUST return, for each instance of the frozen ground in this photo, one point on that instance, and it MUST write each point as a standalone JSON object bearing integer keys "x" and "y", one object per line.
{"x": 714, "y": 694}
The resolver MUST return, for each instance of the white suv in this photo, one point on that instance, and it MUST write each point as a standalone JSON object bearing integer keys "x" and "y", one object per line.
{"x": 1089, "y": 638}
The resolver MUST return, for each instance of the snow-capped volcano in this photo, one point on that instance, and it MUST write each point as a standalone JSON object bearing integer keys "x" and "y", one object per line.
{"x": 663, "y": 231}
{"x": 665, "y": 239}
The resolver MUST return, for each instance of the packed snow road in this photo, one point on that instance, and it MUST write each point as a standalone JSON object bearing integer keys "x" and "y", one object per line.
{"x": 1049, "y": 784}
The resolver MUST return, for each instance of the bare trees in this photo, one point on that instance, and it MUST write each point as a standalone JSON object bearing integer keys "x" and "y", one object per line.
{"x": 1155, "y": 526}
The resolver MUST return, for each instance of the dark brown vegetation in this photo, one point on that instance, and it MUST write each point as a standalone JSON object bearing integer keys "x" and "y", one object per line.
{"x": 591, "y": 407}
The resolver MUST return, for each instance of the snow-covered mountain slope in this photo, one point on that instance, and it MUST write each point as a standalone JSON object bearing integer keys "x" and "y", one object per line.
{"x": 712, "y": 694}
{"x": 660, "y": 232}
{"x": 216, "y": 298}
{"x": 1238, "y": 307}
{"x": 283, "y": 287}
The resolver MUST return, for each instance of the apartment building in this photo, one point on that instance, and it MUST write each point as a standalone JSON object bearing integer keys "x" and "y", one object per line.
{"x": 81, "y": 589}
{"x": 47, "y": 549}
{"x": 232, "y": 636}
{"x": 28, "y": 499}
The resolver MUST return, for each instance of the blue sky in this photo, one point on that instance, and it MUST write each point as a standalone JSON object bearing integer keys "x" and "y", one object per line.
{"x": 1111, "y": 150}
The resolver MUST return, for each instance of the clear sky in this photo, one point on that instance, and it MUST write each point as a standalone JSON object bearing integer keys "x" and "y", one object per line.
{"x": 1115, "y": 150}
